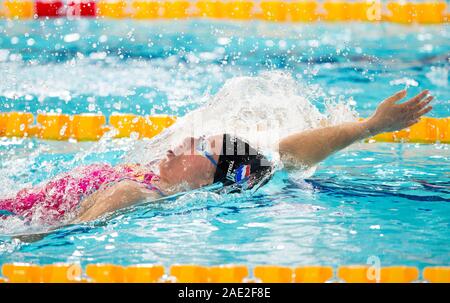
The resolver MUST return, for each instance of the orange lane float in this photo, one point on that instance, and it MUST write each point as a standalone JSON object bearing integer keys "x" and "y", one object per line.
{"x": 368, "y": 274}
{"x": 313, "y": 274}
{"x": 53, "y": 126}
{"x": 211, "y": 9}
{"x": 274, "y": 10}
{"x": 273, "y": 274}
{"x": 194, "y": 273}
{"x": 241, "y": 10}
{"x": 175, "y": 9}
{"x": 155, "y": 124}
{"x": 112, "y": 9}
{"x": 144, "y": 273}
{"x": 18, "y": 124}
{"x": 105, "y": 273}
{"x": 189, "y": 273}
{"x": 303, "y": 11}
{"x": 18, "y": 9}
{"x": 88, "y": 127}
{"x": 22, "y": 273}
{"x": 438, "y": 274}
{"x": 91, "y": 127}
{"x": 126, "y": 124}
{"x": 427, "y": 130}
{"x": 409, "y": 12}
{"x": 3, "y": 123}
{"x": 145, "y": 9}
{"x": 61, "y": 273}
{"x": 405, "y": 12}
{"x": 228, "y": 273}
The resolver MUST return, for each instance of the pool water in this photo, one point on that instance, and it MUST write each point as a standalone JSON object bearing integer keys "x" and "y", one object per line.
{"x": 390, "y": 201}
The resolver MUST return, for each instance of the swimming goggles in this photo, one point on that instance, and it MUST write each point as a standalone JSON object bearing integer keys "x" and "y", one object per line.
{"x": 204, "y": 147}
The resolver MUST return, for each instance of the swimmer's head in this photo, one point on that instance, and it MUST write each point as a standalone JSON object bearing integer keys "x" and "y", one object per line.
{"x": 185, "y": 164}
{"x": 199, "y": 162}
{"x": 240, "y": 164}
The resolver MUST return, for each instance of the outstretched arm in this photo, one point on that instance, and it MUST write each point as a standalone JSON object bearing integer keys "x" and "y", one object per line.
{"x": 310, "y": 147}
{"x": 120, "y": 195}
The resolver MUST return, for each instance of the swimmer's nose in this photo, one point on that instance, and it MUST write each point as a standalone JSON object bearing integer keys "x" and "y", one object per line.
{"x": 170, "y": 154}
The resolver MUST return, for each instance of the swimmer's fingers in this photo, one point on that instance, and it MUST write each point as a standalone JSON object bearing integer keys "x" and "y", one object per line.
{"x": 416, "y": 118}
{"x": 423, "y": 104}
{"x": 423, "y": 112}
{"x": 414, "y": 101}
{"x": 419, "y": 108}
{"x": 396, "y": 97}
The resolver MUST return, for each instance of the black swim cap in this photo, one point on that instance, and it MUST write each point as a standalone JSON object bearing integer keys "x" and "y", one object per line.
{"x": 240, "y": 164}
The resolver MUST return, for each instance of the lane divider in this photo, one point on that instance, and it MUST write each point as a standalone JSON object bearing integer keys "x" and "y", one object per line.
{"x": 365, "y": 274}
{"x": 405, "y": 12}
{"x": 192, "y": 273}
{"x": 82, "y": 127}
{"x": 92, "y": 127}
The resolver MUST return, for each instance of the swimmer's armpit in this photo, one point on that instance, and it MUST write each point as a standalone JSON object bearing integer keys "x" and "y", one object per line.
{"x": 312, "y": 146}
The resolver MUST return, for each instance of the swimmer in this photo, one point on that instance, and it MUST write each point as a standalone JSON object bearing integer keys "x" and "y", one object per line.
{"x": 92, "y": 191}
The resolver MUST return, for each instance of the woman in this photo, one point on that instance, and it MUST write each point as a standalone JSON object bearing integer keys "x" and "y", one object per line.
{"x": 92, "y": 191}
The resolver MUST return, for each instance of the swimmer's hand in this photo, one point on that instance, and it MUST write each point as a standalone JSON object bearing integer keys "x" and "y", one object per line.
{"x": 391, "y": 116}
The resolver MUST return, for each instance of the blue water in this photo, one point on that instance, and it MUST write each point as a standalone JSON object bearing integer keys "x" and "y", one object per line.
{"x": 385, "y": 200}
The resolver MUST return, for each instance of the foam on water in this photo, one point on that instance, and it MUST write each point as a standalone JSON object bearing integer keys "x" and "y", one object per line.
{"x": 260, "y": 109}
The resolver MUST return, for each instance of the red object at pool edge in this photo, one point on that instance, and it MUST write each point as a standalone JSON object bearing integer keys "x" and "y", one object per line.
{"x": 49, "y": 8}
{"x": 81, "y": 8}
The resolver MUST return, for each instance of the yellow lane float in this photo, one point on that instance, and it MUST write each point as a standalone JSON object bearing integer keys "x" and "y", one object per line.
{"x": 88, "y": 127}
{"x": 91, "y": 127}
{"x": 313, "y": 274}
{"x": 369, "y": 274}
{"x": 155, "y": 124}
{"x": 273, "y": 274}
{"x": 438, "y": 274}
{"x": 3, "y": 123}
{"x": 108, "y": 273}
{"x": 274, "y": 10}
{"x": 241, "y": 10}
{"x": 112, "y": 9}
{"x": 176, "y": 9}
{"x": 53, "y": 126}
{"x": 228, "y": 274}
{"x": 16, "y": 124}
{"x": 126, "y": 124}
{"x": 210, "y": 9}
{"x": 105, "y": 273}
{"x": 189, "y": 273}
{"x": 425, "y": 12}
{"x": 406, "y": 12}
{"x": 61, "y": 273}
{"x": 145, "y": 9}
{"x": 18, "y": 9}
{"x": 303, "y": 11}
{"x": 22, "y": 273}
{"x": 427, "y": 130}
{"x": 144, "y": 273}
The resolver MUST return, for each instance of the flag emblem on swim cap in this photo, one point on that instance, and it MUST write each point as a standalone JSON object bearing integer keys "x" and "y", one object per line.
{"x": 242, "y": 173}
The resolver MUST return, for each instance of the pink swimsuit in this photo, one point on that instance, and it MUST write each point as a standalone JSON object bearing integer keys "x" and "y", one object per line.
{"x": 64, "y": 193}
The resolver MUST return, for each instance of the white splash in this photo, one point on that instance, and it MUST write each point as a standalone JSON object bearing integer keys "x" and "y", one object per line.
{"x": 259, "y": 109}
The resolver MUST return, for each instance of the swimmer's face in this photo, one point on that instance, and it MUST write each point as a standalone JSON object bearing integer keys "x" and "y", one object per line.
{"x": 185, "y": 164}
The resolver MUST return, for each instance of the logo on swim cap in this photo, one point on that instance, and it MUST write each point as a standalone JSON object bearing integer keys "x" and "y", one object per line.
{"x": 230, "y": 173}
{"x": 242, "y": 173}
